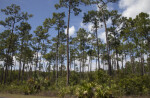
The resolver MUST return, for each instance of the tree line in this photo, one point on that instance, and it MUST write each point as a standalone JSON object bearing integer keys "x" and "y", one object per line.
{"x": 127, "y": 47}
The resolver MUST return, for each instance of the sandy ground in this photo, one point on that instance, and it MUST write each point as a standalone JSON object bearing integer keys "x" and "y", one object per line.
{"x": 36, "y": 96}
{"x": 21, "y": 96}
{"x": 135, "y": 97}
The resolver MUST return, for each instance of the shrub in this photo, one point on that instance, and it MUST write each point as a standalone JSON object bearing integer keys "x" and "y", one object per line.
{"x": 35, "y": 86}
{"x": 135, "y": 85}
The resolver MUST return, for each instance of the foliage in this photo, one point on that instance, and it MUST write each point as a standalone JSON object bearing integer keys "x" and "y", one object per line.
{"x": 41, "y": 58}
{"x": 135, "y": 85}
{"x": 89, "y": 90}
{"x": 36, "y": 85}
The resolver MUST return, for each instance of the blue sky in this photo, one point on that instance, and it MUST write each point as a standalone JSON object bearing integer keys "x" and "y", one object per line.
{"x": 42, "y": 9}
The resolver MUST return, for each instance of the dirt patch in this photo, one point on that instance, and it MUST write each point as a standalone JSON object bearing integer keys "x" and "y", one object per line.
{"x": 22, "y": 96}
{"x": 48, "y": 94}
{"x": 135, "y": 97}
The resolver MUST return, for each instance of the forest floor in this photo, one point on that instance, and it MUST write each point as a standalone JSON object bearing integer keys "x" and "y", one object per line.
{"x": 22, "y": 96}
{"x": 135, "y": 97}
{"x": 37, "y": 96}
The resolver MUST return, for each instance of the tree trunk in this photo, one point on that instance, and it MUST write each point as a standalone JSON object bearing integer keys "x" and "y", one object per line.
{"x": 19, "y": 69}
{"x": 117, "y": 59}
{"x": 68, "y": 73}
{"x": 2, "y": 71}
{"x": 6, "y": 70}
{"x": 107, "y": 44}
{"x": 11, "y": 74}
{"x": 23, "y": 71}
{"x": 96, "y": 63}
{"x": 97, "y": 48}
{"x": 122, "y": 61}
{"x": 74, "y": 65}
{"x": 80, "y": 68}
{"x": 91, "y": 65}
{"x": 49, "y": 71}
{"x": 142, "y": 65}
{"x": 57, "y": 54}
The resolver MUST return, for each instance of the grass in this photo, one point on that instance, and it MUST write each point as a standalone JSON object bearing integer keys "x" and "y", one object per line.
{"x": 22, "y": 96}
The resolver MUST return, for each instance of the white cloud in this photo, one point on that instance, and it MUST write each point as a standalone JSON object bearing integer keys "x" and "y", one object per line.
{"x": 71, "y": 31}
{"x": 102, "y": 36}
{"x": 93, "y": 65}
{"x": 109, "y": 7}
{"x": 109, "y": 21}
{"x": 90, "y": 25}
{"x": 87, "y": 26}
{"x": 134, "y": 7}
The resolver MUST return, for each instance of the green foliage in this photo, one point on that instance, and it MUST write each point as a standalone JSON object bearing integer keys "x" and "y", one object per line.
{"x": 12, "y": 88}
{"x": 88, "y": 90}
{"x": 124, "y": 38}
{"x": 102, "y": 77}
{"x": 37, "y": 85}
{"x": 66, "y": 91}
{"x": 135, "y": 85}
{"x": 74, "y": 80}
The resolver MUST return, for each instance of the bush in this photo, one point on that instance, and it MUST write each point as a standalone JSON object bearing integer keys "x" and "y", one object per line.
{"x": 89, "y": 90}
{"x": 102, "y": 77}
{"x": 35, "y": 86}
{"x": 135, "y": 85}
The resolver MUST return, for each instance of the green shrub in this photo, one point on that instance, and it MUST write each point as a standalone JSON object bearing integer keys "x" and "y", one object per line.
{"x": 37, "y": 85}
{"x": 89, "y": 90}
{"x": 85, "y": 90}
{"x": 101, "y": 77}
{"x": 135, "y": 85}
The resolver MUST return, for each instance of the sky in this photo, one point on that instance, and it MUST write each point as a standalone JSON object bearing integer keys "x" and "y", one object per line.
{"x": 42, "y": 9}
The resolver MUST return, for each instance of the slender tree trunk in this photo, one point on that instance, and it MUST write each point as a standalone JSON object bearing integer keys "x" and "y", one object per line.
{"x": 57, "y": 54}
{"x": 11, "y": 74}
{"x": 49, "y": 71}
{"x": 61, "y": 66}
{"x": 6, "y": 69}
{"x": 122, "y": 61}
{"x": 107, "y": 44}
{"x": 80, "y": 68}
{"x": 97, "y": 47}
{"x": 125, "y": 63}
{"x": 131, "y": 57}
{"x": 2, "y": 71}
{"x": 96, "y": 63}
{"x": 117, "y": 59}
{"x": 68, "y": 72}
{"x": 6, "y": 64}
{"x": 20, "y": 69}
{"x": 23, "y": 71}
{"x": 54, "y": 71}
{"x": 91, "y": 65}
{"x": 74, "y": 65}
{"x": 142, "y": 65}
{"x": 83, "y": 65}
{"x": 37, "y": 59}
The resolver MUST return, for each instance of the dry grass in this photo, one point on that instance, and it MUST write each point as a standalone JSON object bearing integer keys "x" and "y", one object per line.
{"x": 22, "y": 96}
{"x": 135, "y": 97}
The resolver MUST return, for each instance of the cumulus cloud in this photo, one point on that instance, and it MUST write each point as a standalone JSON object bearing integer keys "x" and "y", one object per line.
{"x": 109, "y": 21}
{"x": 93, "y": 66}
{"x": 109, "y": 7}
{"x": 102, "y": 36}
{"x": 134, "y": 7}
{"x": 71, "y": 31}
{"x": 87, "y": 26}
